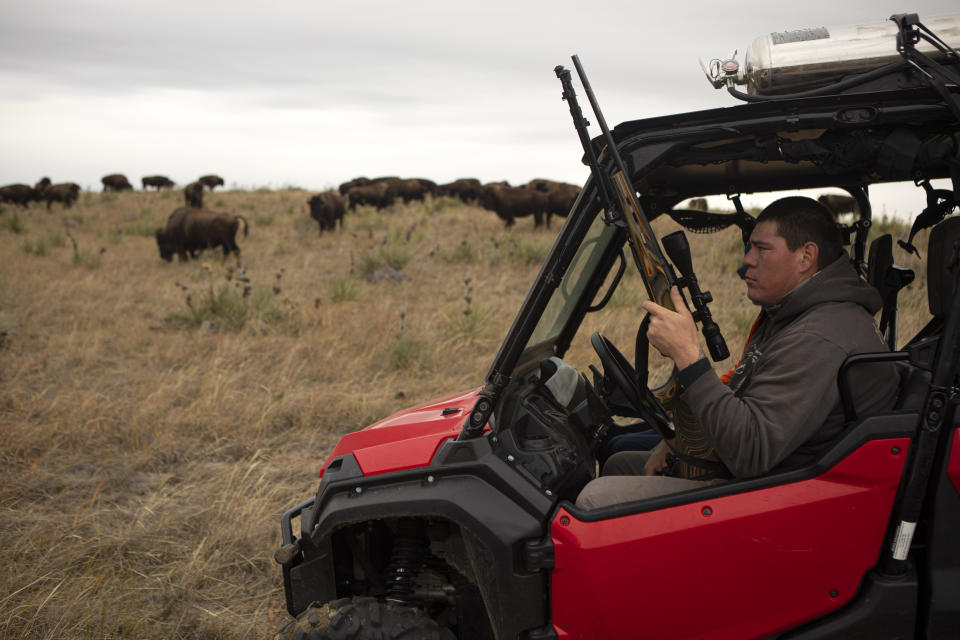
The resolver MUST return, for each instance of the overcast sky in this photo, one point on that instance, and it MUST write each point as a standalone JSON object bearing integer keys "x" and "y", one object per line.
{"x": 314, "y": 93}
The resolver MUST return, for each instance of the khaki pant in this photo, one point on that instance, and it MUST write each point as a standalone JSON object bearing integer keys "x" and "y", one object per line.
{"x": 621, "y": 481}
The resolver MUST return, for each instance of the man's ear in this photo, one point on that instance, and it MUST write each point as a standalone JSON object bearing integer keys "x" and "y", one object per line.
{"x": 809, "y": 257}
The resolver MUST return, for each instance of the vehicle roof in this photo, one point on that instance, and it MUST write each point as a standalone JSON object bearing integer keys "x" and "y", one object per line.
{"x": 782, "y": 144}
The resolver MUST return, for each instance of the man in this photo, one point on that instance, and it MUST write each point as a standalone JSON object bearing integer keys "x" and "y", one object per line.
{"x": 781, "y": 408}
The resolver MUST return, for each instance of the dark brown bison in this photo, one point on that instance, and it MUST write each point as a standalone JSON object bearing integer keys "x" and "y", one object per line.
{"x": 510, "y": 203}
{"x": 66, "y": 192}
{"x": 327, "y": 208}
{"x": 116, "y": 182}
{"x": 211, "y": 181}
{"x": 378, "y": 195}
{"x": 193, "y": 195}
{"x": 412, "y": 189}
{"x": 19, "y": 194}
{"x": 466, "y": 189}
{"x": 43, "y": 184}
{"x": 429, "y": 186}
{"x": 838, "y": 204}
{"x": 160, "y": 182}
{"x": 190, "y": 230}
{"x": 350, "y": 184}
{"x": 560, "y": 196}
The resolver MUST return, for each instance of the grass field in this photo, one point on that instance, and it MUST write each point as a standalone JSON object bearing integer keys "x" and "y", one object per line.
{"x": 157, "y": 418}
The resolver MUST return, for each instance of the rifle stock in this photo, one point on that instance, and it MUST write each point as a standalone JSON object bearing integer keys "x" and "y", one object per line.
{"x": 657, "y": 273}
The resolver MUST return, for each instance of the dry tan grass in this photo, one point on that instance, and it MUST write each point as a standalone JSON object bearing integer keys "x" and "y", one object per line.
{"x": 145, "y": 463}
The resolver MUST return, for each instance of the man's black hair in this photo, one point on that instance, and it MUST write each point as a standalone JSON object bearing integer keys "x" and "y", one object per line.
{"x": 800, "y": 220}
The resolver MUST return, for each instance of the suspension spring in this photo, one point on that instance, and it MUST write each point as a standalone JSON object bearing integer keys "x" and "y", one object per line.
{"x": 410, "y": 546}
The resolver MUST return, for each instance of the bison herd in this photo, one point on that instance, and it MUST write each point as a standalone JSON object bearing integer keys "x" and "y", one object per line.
{"x": 192, "y": 228}
{"x": 539, "y": 198}
{"x": 23, "y": 194}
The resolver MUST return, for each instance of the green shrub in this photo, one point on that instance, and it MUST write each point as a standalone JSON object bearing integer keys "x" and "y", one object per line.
{"x": 406, "y": 352}
{"x": 343, "y": 289}
{"x": 57, "y": 240}
{"x": 13, "y": 223}
{"x": 396, "y": 257}
{"x": 464, "y": 253}
{"x": 369, "y": 262}
{"x": 36, "y": 247}
{"x": 469, "y": 324}
{"x": 231, "y": 308}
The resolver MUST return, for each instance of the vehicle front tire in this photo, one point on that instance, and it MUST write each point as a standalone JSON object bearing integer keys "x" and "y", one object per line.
{"x": 362, "y": 619}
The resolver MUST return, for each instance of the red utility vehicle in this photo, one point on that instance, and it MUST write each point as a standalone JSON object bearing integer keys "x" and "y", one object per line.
{"x": 456, "y": 519}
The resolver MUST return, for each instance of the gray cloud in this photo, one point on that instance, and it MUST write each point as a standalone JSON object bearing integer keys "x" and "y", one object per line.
{"x": 436, "y": 88}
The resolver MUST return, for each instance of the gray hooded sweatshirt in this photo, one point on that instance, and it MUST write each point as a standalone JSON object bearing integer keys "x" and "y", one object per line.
{"x": 782, "y": 407}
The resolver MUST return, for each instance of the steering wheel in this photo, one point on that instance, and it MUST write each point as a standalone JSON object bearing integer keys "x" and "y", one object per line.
{"x": 624, "y": 378}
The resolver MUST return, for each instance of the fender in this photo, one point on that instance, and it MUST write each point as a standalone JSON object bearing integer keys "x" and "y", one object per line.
{"x": 467, "y": 483}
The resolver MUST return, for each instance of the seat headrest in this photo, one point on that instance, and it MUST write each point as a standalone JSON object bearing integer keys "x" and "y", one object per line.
{"x": 943, "y": 264}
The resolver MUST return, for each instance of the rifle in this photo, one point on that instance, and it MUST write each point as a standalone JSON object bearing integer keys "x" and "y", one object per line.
{"x": 657, "y": 273}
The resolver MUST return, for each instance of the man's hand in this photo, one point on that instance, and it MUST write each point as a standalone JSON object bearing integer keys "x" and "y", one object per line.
{"x": 673, "y": 333}
{"x": 657, "y": 461}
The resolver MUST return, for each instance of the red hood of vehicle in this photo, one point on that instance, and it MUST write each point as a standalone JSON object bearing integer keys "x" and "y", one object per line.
{"x": 408, "y": 439}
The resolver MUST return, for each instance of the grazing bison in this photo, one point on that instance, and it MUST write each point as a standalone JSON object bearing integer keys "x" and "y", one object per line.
{"x": 66, "y": 192}
{"x": 510, "y": 203}
{"x": 160, "y": 182}
{"x": 190, "y": 230}
{"x": 327, "y": 208}
{"x": 377, "y": 195}
{"x": 412, "y": 189}
{"x": 19, "y": 194}
{"x": 43, "y": 184}
{"x": 560, "y": 196}
{"x": 838, "y": 204}
{"x": 350, "y": 184}
{"x": 700, "y": 204}
{"x": 466, "y": 189}
{"x": 193, "y": 194}
{"x": 116, "y": 182}
{"x": 560, "y": 199}
{"x": 210, "y": 181}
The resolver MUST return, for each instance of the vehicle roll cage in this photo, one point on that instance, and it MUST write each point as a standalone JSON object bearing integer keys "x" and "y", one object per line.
{"x": 778, "y": 145}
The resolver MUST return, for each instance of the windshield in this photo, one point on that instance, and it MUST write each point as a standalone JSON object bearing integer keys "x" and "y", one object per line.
{"x": 566, "y": 297}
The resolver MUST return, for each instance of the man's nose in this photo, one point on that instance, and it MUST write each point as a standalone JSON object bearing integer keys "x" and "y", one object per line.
{"x": 746, "y": 263}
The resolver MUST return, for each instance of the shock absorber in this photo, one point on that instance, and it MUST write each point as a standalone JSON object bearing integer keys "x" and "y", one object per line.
{"x": 410, "y": 546}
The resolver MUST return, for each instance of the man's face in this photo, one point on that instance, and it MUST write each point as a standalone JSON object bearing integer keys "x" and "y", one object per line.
{"x": 772, "y": 269}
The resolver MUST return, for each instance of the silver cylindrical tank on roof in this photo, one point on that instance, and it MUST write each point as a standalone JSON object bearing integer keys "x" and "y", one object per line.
{"x": 789, "y": 61}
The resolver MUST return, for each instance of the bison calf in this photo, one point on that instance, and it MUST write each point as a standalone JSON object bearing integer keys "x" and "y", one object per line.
{"x": 190, "y": 230}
